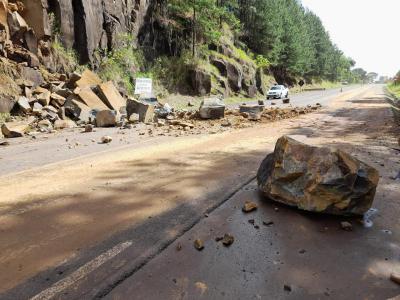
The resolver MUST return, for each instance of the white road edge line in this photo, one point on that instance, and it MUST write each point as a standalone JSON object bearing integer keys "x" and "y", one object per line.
{"x": 81, "y": 272}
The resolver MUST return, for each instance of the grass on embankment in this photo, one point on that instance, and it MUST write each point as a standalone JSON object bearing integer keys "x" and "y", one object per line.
{"x": 180, "y": 101}
{"x": 394, "y": 89}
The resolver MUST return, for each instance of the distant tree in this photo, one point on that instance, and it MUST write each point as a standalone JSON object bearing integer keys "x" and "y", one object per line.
{"x": 372, "y": 76}
{"x": 292, "y": 38}
{"x": 360, "y": 74}
{"x": 201, "y": 18}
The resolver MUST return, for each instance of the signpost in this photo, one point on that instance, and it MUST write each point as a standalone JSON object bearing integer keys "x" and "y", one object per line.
{"x": 144, "y": 87}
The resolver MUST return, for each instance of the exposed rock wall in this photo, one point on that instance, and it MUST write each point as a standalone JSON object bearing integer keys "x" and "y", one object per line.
{"x": 92, "y": 27}
{"x": 88, "y": 25}
{"x": 84, "y": 25}
{"x": 35, "y": 14}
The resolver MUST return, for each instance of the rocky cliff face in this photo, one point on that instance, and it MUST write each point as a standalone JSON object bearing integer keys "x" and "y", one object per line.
{"x": 28, "y": 27}
{"x": 90, "y": 27}
{"x": 85, "y": 25}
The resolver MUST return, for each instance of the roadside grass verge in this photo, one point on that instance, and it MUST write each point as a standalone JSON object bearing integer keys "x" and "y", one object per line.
{"x": 394, "y": 89}
{"x": 317, "y": 85}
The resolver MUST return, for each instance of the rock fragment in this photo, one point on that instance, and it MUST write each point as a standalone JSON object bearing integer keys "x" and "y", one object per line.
{"x": 395, "y": 277}
{"x": 90, "y": 98}
{"x": 44, "y": 98}
{"x": 76, "y": 110}
{"x": 347, "y": 226}
{"x": 14, "y": 129}
{"x": 287, "y": 288}
{"x": 199, "y": 244}
{"x": 23, "y": 103}
{"x": 45, "y": 125}
{"x": 62, "y": 124}
{"x": 212, "y": 108}
{"x": 317, "y": 179}
{"x": 37, "y": 108}
{"x": 249, "y": 206}
{"x": 268, "y": 223}
{"x": 88, "y": 128}
{"x": 106, "y": 139}
{"x": 228, "y": 240}
{"x": 106, "y": 118}
{"x": 88, "y": 78}
{"x": 109, "y": 94}
{"x": 4, "y": 143}
{"x": 57, "y": 100}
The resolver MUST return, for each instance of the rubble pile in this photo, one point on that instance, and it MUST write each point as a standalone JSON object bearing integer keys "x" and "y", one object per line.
{"x": 65, "y": 103}
{"x": 212, "y": 120}
{"x": 82, "y": 100}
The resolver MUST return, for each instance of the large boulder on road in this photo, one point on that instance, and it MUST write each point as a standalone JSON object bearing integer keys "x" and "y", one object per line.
{"x": 107, "y": 118}
{"x": 212, "y": 108}
{"x": 317, "y": 179}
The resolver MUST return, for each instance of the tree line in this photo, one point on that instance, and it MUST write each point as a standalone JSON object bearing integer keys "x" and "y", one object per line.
{"x": 292, "y": 38}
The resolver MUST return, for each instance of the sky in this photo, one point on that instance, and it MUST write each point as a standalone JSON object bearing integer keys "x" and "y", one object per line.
{"x": 366, "y": 30}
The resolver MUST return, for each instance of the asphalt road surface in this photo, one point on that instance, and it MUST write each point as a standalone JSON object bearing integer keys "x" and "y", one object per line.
{"x": 44, "y": 149}
{"x": 108, "y": 224}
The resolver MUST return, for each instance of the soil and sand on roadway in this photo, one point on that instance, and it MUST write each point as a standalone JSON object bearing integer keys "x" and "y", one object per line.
{"x": 118, "y": 221}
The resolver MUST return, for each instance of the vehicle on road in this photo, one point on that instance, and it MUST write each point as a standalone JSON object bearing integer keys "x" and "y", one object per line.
{"x": 278, "y": 91}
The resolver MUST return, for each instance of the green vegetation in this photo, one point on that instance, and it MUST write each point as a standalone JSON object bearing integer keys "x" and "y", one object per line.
{"x": 67, "y": 58}
{"x": 123, "y": 63}
{"x": 199, "y": 22}
{"x": 282, "y": 34}
{"x": 69, "y": 55}
{"x": 4, "y": 117}
{"x": 279, "y": 36}
{"x": 395, "y": 89}
{"x": 394, "y": 86}
{"x": 293, "y": 39}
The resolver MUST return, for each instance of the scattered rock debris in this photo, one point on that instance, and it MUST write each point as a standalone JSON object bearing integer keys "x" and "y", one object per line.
{"x": 268, "y": 223}
{"x": 199, "y": 244}
{"x": 178, "y": 247}
{"x": 249, "y": 206}
{"x": 106, "y": 139}
{"x": 287, "y": 288}
{"x": 219, "y": 238}
{"x": 228, "y": 240}
{"x": 347, "y": 226}
{"x": 89, "y": 128}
